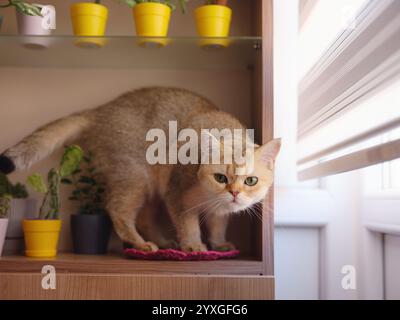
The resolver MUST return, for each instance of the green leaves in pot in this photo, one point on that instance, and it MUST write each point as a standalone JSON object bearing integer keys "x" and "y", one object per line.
{"x": 9, "y": 191}
{"x": 71, "y": 160}
{"x": 88, "y": 189}
{"x": 50, "y": 207}
{"x": 24, "y": 7}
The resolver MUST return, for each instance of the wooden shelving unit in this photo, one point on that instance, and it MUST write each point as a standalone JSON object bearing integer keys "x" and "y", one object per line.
{"x": 117, "y": 264}
{"x": 113, "y": 276}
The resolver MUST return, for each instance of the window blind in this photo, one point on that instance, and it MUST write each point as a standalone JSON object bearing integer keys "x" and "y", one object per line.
{"x": 352, "y": 94}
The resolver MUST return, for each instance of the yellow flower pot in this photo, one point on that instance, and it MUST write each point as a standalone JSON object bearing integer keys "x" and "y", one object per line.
{"x": 89, "y": 19}
{"x": 152, "y": 20}
{"x": 41, "y": 237}
{"x": 213, "y": 21}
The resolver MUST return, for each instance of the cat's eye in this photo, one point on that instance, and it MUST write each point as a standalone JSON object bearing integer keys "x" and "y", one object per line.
{"x": 220, "y": 178}
{"x": 251, "y": 181}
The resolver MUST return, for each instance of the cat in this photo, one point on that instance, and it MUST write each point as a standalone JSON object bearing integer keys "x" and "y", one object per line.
{"x": 136, "y": 190}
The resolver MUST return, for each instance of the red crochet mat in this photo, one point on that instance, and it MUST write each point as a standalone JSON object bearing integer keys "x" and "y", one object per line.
{"x": 171, "y": 254}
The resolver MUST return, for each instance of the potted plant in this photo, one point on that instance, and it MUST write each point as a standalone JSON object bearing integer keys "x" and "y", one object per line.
{"x": 15, "y": 206}
{"x": 89, "y": 19}
{"x": 152, "y": 18}
{"x": 41, "y": 235}
{"x": 4, "y": 207}
{"x": 8, "y": 191}
{"x": 91, "y": 227}
{"x": 20, "y": 209}
{"x": 213, "y": 21}
{"x": 30, "y": 22}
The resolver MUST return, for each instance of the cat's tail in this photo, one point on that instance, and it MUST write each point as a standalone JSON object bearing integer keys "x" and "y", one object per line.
{"x": 43, "y": 142}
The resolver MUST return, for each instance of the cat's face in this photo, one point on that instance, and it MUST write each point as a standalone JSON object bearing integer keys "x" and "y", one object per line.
{"x": 233, "y": 192}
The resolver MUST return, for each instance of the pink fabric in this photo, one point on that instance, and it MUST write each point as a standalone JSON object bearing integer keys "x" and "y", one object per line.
{"x": 171, "y": 254}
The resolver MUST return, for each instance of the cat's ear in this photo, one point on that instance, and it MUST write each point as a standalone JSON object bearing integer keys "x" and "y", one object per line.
{"x": 268, "y": 152}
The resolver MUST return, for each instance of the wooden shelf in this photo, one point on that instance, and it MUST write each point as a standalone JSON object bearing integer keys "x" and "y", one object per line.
{"x": 239, "y": 78}
{"x": 123, "y": 52}
{"x": 116, "y": 264}
{"x": 137, "y": 287}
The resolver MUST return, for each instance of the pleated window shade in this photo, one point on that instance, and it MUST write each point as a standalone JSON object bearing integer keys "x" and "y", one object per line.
{"x": 351, "y": 94}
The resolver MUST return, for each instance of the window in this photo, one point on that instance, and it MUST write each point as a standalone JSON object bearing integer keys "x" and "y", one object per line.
{"x": 330, "y": 16}
{"x": 349, "y": 87}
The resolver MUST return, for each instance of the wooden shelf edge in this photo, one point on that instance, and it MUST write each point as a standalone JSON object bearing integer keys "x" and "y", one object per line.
{"x": 138, "y": 287}
{"x": 117, "y": 264}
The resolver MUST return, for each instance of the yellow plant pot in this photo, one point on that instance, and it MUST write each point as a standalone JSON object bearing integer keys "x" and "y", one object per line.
{"x": 41, "y": 237}
{"x": 152, "y": 20}
{"x": 89, "y": 19}
{"x": 213, "y": 21}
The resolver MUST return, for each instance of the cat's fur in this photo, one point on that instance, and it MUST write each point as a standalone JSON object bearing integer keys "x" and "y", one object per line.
{"x": 115, "y": 133}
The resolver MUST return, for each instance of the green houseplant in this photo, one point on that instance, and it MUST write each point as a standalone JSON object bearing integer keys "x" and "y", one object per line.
{"x": 41, "y": 235}
{"x": 30, "y": 22}
{"x": 152, "y": 18}
{"x": 24, "y": 7}
{"x": 91, "y": 227}
{"x": 8, "y": 191}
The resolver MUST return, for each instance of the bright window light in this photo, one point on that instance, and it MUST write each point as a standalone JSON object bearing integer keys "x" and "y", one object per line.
{"x": 374, "y": 111}
{"x": 383, "y": 179}
{"x": 328, "y": 19}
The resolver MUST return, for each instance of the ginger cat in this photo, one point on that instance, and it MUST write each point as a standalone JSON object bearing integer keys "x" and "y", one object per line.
{"x": 115, "y": 133}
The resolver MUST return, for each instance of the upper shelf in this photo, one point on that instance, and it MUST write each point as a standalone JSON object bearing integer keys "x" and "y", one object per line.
{"x": 128, "y": 52}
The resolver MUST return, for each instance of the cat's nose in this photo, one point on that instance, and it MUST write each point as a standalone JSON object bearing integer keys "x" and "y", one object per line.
{"x": 234, "y": 193}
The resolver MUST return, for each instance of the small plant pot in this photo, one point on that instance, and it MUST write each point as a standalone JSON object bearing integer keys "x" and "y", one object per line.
{"x": 41, "y": 237}
{"x": 3, "y": 231}
{"x": 152, "y": 20}
{"x": 32, "y": 26}
{"x": 90, "y": 233}
{"x": 213, "y": 21}
{"x": 20, "y": 209}
{"x": 89, "y": 19}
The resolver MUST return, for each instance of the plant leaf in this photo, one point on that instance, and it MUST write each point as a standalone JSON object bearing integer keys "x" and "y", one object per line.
{"x": 130, "y": 3}
{"x": 37, "y": 183}
{"x": 28, "y": 9}
{"x": 5, "y": 185}
{"x": 87, "y": 180}
{"x": 19, "y": 191}
{"x": 66, "y": 181}
{"x": 71, "y": 159}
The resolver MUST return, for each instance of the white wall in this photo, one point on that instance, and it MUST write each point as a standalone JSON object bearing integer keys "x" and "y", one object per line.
{"x": 392, "y": 267}
{"x": 297, "y": 264}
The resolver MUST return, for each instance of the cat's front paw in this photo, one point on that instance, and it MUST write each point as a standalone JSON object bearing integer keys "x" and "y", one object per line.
{"x": 147, "y": 246}
{"x": 226, "y": 246}
{"x": 194, "y": 247}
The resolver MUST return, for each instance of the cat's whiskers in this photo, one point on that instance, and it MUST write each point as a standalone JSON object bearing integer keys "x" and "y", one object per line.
{"x": 212, "y": 207}
{"x": 254, "y": 209}
{"x": 198, "y": 205}
{"x": 210, "y": 210}
{"x": 216, "y": 200}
